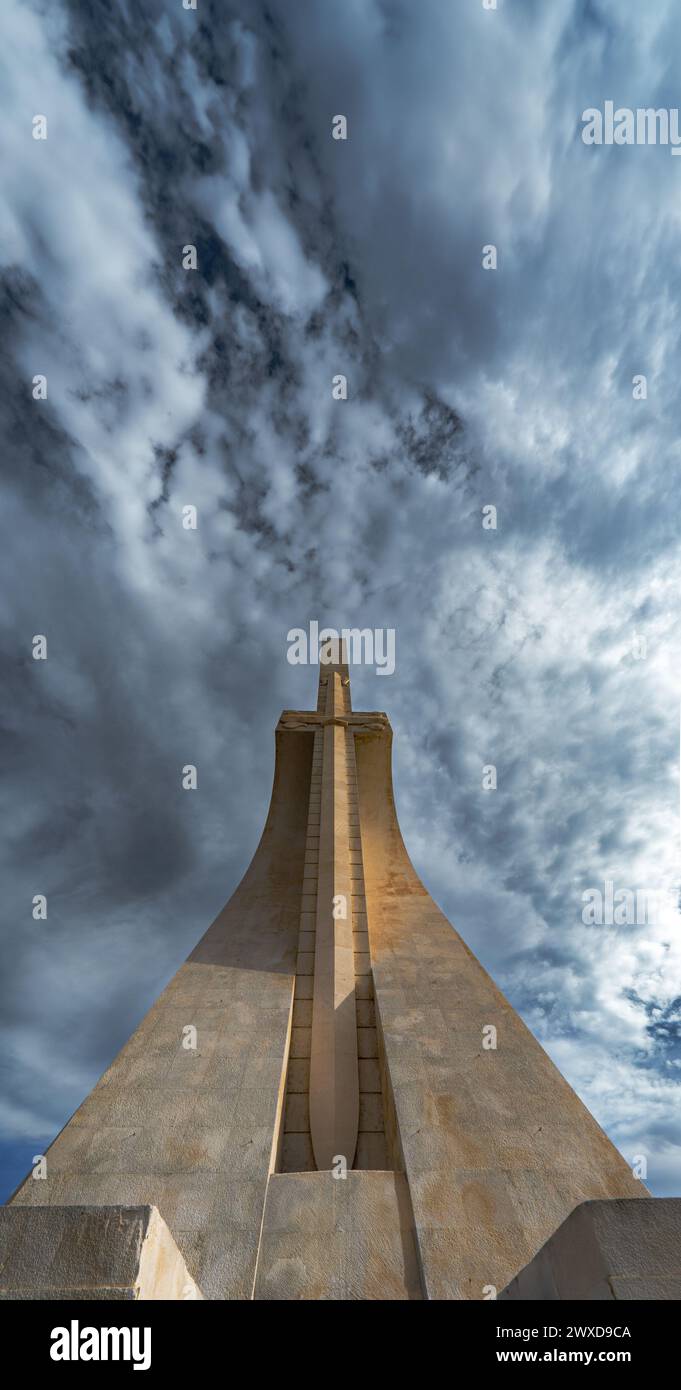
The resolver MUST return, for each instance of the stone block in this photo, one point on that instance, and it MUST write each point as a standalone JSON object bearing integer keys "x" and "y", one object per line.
{"x": 111, "y": 1252}
{"x": 628, "y": 1248}
{"x": 337, "y": 1238}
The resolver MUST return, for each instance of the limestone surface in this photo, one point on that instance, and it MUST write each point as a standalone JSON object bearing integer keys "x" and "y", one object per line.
{"x": 89, "y": 1253}
{"x": 608, "y": 1251}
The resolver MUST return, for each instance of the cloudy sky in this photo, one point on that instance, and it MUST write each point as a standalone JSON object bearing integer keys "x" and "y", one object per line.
{"x": 549, "y": 647}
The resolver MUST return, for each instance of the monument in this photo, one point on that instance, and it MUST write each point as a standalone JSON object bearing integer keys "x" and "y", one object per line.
{"x": 331, "y": 1099}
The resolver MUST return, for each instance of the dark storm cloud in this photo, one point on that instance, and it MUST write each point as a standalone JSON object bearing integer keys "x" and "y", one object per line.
{"x": 212, "y": 388}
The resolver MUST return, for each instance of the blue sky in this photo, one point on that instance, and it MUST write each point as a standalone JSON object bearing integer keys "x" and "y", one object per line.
{"x": 467, "y": 387}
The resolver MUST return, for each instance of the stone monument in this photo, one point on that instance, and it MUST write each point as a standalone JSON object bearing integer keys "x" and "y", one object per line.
{"x": 331, "y": 1099}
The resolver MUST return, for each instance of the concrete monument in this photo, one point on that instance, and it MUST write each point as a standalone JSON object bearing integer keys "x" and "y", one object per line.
{"x": 332, "y": 1099}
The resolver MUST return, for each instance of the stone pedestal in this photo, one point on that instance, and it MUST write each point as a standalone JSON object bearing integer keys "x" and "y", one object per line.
{"x": 608, "y": 1250}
